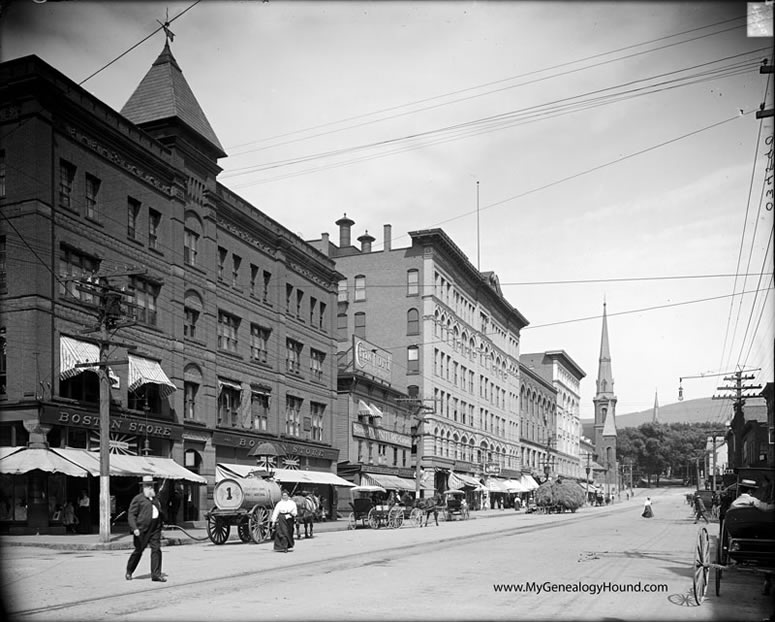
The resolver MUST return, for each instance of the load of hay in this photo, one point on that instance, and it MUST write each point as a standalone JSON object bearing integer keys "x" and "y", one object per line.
{"x": 560, "y": 495}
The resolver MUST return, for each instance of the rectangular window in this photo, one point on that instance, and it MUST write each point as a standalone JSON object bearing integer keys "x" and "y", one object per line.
{"x": 92, "y": 197}
{"x": 3, "y": 363}
{"x": 259, "y": 410}
{"x": 322, "y": 316}
{"x": 341, "y": 326}
{"x": 412, "y": 282}
{"x": 132, "y": 215}
{"x": 236, "y": 262}
{"x": 66, "y": 181}
{"x": 228, "y": 404}
{"x": 189, "y": 322}
{"x": 317, "y": 412}
{"x": 341, "y": 295}
{"x": 316, "y": 359}
{"x": 2, "y": 173}
{"x": 190, "y": 392}
{"x": 228, "y": 325}
{"x": 222, "y": 252}
{"x": 74, "y": 265}
{"x": 412, "y": 360}
{"x": 360, "y": 325}
{"x": 288, "y": 297}
{"x": 154, "y": 220}
{"x": 259, "y": 343}
{"x": 299, "y": 301}
{"x": 293, "y": 415}
{"x": 146, "y": 295}
{"x": 190, "y": 247}
{"x": 360, "y": 287}
{"x": 265, "y": 292}
{"x": 253, "y": 280}
{"x": 313, "y": 305}
{"x": 293, "y": 356}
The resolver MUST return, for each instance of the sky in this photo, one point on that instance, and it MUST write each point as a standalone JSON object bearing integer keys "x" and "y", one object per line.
{"x": 585, "y": 152}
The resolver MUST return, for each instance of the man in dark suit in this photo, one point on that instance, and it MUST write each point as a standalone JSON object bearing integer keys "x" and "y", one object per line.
{"x": 145, "y": 521}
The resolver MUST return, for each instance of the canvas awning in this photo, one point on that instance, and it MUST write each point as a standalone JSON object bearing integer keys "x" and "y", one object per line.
{"x": 515, "y": 485}
{"x": 365, "y": 410}
{"x": 73, "y": 352}
{"x": 529, "y": 482}
{"x": 495, "y": 485}
{"x": 30, "y": 459}
{"x": 122, "y": 465}
{"x": 228, "y": 384}
{"x": 145, "y": 371}
{"x": 300, "y": 476}
{"x": 377, "y": 412}
{"x": 456, "y": 481}
{"x": 388, "y": 482}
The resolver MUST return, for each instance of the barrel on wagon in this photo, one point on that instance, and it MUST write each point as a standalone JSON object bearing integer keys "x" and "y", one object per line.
{"x": 246, "y": 502}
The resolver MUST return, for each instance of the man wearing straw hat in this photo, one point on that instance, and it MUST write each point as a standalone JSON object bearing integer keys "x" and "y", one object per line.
{"x": 145, "y": 521}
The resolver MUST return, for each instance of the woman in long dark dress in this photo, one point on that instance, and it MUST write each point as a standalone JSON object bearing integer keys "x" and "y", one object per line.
{"x": 647, "y": 512}
{"x": 282, "y": 518}
{"x": 84, "y": 513}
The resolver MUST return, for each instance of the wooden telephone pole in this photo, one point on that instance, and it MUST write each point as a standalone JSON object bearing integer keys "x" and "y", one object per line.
{"x": 738, "y": 419}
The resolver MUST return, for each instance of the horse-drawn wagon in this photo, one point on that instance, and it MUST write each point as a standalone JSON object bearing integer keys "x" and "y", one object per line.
{"x": 369, "y": 508}
{"x": 245, "y": 503}
{"x": 745, "y": 540}
{"x": 455, "y": 504}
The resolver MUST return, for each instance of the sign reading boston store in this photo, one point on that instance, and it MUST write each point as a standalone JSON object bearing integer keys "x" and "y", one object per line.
{"x": 372, "y": 360}
{"x": 122, "y": 424}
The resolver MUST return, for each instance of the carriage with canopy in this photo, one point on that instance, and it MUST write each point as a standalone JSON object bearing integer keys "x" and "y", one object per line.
{"x": 455, "y": 504}
{"x": 370, "y": 508}
{"x": 745, "y": 540}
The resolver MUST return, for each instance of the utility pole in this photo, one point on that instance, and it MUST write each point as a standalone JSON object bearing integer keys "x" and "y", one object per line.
{"x": 113, "y": 313}
{"x": 420, "y": 412}
{"x": 738, "y": 420}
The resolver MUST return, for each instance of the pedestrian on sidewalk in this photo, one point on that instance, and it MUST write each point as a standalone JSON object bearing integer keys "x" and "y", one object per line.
{"x": 68, "y": 517}
{"x": 146, "y": 520}
{"x": 699, "y": 509}
{"x": 84, "y": 513}
{"x": 647, "y": 511}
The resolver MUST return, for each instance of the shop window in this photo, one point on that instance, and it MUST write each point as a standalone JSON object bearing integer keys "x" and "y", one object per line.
{"x": 146, "y": 397}
{"x": 85, "y": 387}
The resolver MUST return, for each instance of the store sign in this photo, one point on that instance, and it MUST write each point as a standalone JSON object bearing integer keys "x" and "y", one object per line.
{"x": 370, "y": 359}
{"x": 491, "y": 468}
{"x": 296, "y": 449}
{"x": 118, "y": 425}
{"x": 381, "y": 435}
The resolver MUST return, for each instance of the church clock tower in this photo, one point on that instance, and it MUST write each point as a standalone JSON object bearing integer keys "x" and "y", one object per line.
{"x": 605, "y": 411}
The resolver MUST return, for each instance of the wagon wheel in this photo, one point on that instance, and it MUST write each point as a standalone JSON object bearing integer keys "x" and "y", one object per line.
{"x": 243, "y": 529}
{"x": 259, "y": 524}
{"x": 218, "y": 529}
{"x": 416, "y": 517}
{"x": 722, "y": 550}
{"x": 397, "y": 517}
{"x": 352, "y": 522}
{"x": 373, "y": 519}
{"x": 701, "y": 565}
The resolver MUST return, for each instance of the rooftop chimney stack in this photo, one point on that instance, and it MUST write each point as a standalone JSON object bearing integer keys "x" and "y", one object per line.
{"x": 345, "y": 224}
{"x": 388, "y": 235}
{"x": 366, "y": 241}
{"x": 326, "y": 244}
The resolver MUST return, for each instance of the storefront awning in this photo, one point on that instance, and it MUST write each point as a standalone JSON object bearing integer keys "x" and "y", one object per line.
{"x": 30, "y": 459}
{"x": 73, "y": 352}
{"x": 388, "y": 482}
{"x": 529, "y": 482}
{"x": 130, "y": 466}
{"x": 457, "y": 481}
{"x": 495, "y": 485}
{"x": 145, "y": 371}
{"x": 299, "y": 476}
{"x": 514, "y": 485}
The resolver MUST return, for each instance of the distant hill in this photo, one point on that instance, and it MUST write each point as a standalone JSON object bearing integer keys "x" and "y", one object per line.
{"x": 689, "y": 411}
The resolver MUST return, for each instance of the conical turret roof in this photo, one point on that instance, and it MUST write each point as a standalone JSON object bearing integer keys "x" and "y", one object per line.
{"x": 164, "y": 94}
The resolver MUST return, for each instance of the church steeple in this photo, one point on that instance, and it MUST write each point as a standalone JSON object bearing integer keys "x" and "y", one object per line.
{"x": 605, "y": 410}
{"x": 655, "y": 416}
{"x": 605, "y": 380}
{"x": 164, "y": 105}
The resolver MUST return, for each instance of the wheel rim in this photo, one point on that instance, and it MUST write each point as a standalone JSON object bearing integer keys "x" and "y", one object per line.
{"x": 218, "y": 529}
{"x": 372, "y": 519}
{"x": 259, "y": 524}
{"x": 701, "y": 565}
{"x": 243, "y": 529}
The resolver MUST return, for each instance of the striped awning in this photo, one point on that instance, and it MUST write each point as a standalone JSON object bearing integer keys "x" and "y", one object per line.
{"x": 365, "y": 410}
{"x": 388, "y": 482}
{"x": 377, "y": 412}
{"x": 145, "y": 371}
{"x": 73, "y": 352}
{"x": 456, "y": 481}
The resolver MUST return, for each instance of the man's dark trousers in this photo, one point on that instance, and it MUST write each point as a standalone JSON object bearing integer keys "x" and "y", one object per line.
{"x": 151, "y": 538}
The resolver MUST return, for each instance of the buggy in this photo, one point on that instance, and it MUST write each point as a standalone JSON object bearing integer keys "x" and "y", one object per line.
{"x": 455, "y": 504}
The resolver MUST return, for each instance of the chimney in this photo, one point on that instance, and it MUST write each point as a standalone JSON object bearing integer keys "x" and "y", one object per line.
{"x": 366, "y": 241}
{"x": 344, "y": 231}
{"x": 325, "y": 244}
{"x": 388, "y": 235}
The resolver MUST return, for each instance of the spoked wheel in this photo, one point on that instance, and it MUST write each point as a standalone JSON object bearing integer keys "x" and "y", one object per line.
{"x": 722, "y": 547}
{"x": 243, "y": 529}
{"x": 373, "y": 520}
{"x": 416, "y": 517}
{"x": 259, "y": 524}
{"x": 396, "y": 518}
{"x": 701, "y": 565}
{"x": 218, "y": 529}
{"x": 352, "y": 522}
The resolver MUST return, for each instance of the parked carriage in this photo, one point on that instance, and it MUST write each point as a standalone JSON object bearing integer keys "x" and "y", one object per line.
{"x": 246, "y": 503}
{"x": 363, "y": 499}
{"x": 455, "y": 504}
{"x": 745, "y": 540}
{"x": 370, "y": 509}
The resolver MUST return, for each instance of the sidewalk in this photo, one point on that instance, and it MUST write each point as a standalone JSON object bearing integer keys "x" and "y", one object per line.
{"x": 195, "y": 533}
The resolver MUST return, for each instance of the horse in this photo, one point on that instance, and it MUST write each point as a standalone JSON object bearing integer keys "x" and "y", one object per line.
{"x": 308, "y": 507}
{"x": 430, "y": 506}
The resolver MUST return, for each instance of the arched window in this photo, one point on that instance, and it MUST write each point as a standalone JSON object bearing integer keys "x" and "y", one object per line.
{"x": 413, "y": 322}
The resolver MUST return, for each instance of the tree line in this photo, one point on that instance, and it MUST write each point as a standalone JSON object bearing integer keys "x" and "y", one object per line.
{"x": 658, "y": 450}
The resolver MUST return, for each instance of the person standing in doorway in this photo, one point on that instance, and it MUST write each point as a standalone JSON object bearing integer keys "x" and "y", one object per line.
{"x": 84, "y": 513}
{"x": 145, "y": 520}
